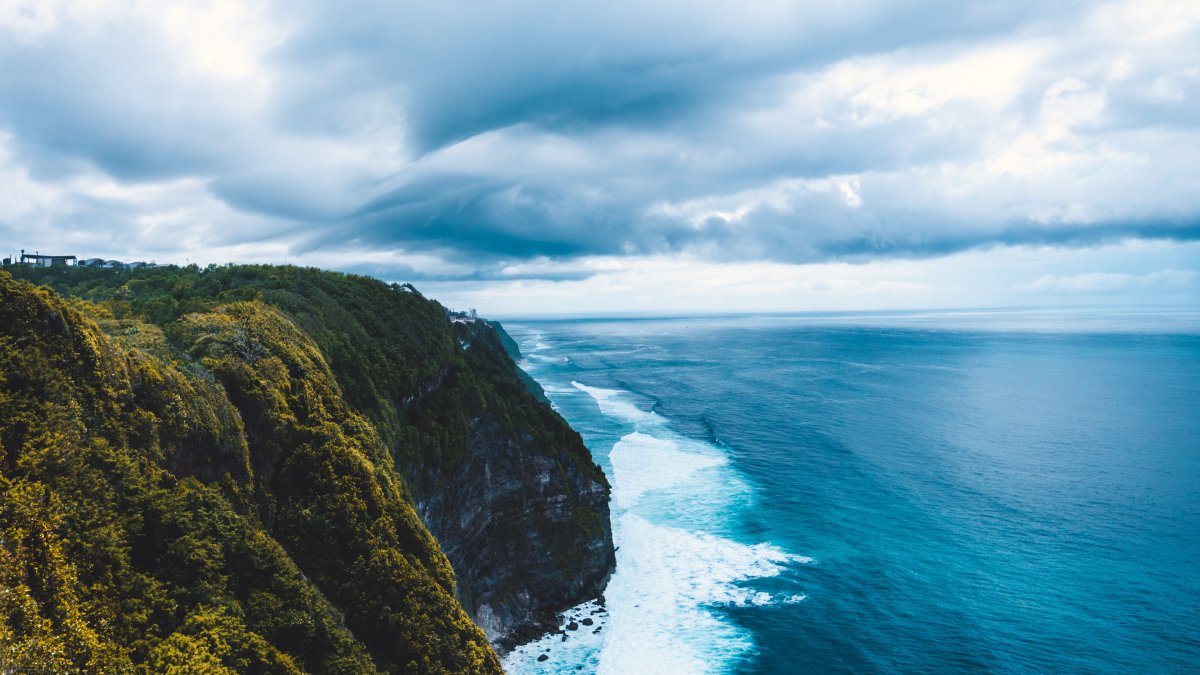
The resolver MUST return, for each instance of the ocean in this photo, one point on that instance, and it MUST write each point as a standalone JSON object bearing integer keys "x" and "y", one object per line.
{"x": 937, "y": 492}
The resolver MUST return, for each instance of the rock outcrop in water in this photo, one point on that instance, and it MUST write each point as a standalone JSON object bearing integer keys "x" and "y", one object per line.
{"x": 223, "y": 469}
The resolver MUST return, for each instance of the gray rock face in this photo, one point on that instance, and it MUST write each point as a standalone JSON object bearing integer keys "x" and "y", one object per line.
{"x": 523, "y": 518}
{"x": 527, "y": 533}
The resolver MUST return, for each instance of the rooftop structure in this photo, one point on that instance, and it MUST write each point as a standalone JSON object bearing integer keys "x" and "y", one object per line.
{"x": 46, "y": 260}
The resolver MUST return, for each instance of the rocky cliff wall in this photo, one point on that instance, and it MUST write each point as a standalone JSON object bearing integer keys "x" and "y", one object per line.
{"x": 528, "y": 495}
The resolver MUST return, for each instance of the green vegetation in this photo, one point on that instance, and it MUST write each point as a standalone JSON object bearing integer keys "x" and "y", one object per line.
{"x": 396, "y": 358}
{"x": 202, "y": 471}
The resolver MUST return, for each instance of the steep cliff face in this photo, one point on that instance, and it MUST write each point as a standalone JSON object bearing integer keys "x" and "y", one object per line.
{"x": 324, "y": 407}
{"x": 524, "y": 505}
{"x": 522, "y": 492}
{"x": 505, "y": 485}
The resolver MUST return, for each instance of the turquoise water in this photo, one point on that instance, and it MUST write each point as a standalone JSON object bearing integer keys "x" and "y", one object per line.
{"x": 899, "y": 493}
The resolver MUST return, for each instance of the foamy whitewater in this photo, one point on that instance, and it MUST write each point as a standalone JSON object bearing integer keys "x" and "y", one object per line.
{"x": 672, "y": 499}
{"x": 1002, "y": 492}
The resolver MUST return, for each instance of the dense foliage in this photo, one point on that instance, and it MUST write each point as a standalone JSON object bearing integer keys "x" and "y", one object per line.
{"x": 387, "y": 346}
{"x": 199, "y": 472}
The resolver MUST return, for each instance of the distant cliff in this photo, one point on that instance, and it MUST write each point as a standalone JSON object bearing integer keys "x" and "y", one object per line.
{"x": 514, "y": 352}
{"x": 241, "y": 468}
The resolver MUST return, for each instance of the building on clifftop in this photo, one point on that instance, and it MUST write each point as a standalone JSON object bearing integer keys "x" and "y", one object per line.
{"x": 46, "y": 260}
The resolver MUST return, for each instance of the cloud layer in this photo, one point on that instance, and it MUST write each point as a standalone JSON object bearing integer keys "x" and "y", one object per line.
{"x": 459, "y": 140}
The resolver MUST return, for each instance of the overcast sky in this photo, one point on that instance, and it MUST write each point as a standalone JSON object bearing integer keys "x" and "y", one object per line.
{"x": 534, "y": 157}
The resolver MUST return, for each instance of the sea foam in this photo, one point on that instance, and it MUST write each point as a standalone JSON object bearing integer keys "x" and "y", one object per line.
{"x": 642, "y": 463}
{"x": 669, "y": 578}
{"x": 613, "y": 404}
{"x": 673, "y": 499}
{"x": 661, "y": 598}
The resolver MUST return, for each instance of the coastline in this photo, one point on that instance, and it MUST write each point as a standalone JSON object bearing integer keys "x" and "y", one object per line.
{"x": 680, "y": 559}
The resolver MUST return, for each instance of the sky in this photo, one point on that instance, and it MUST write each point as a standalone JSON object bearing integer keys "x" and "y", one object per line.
{"x": 527, "y": 157}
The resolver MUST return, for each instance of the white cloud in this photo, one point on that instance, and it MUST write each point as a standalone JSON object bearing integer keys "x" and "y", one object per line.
{"x": 685, "y": 285}
{"x": 1105, "y": 282}
{"x": 226, "y": 39}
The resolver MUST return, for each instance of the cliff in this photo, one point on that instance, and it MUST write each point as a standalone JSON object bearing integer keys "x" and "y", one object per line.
{"x": 524, "y": 490}
{"x": 514, "y": 353}
{"x": 277, "y": 469}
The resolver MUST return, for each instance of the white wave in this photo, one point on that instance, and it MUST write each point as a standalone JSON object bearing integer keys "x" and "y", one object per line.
{"x": 530, "y": 343}
{"x": 612, "y": 403}
{"x": 642, "y": 463}
{"x": 660, "y": 603}
{"x": 673, "y": 574}
{"x": 662, "y": 594}
{"x": 696, "y": 567}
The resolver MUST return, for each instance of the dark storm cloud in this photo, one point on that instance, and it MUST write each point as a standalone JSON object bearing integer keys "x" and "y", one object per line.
{"x": 481, "y": 218}
{"x": 464, "y": 69}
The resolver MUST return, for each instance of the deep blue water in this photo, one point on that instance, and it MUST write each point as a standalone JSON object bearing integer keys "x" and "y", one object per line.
{"x": 886, "y": 496}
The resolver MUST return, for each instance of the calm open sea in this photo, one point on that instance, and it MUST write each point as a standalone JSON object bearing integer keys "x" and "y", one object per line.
{"x": 1003, "y": 492}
